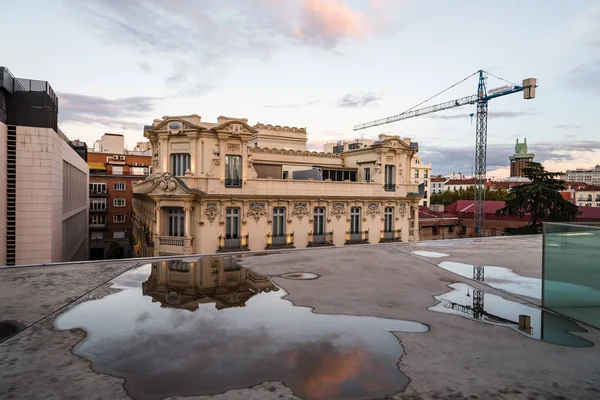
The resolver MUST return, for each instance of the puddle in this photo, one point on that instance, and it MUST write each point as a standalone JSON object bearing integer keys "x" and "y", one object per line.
{"x": 299, "y": 275}
{"x": 430, "y": 254}
{"x": 188, "y": 329}
{"x": 468, "y": 302}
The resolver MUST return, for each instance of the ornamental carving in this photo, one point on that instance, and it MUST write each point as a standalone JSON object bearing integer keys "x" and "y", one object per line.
{"x": 402, "y": 210}
{"x": 256, "y": 210}
{"x": 293, "y": 152}
{"x": 389, "y": 158}
{"x": 166, "y": 185}
{"x": 338, "y": 210}
{"x": 373, "y": 209}
{"x": 233, "y": 147}
{"x": 279, "y": 128}
{"x": 211, "y": 211}
{"x": 300, "y": 210}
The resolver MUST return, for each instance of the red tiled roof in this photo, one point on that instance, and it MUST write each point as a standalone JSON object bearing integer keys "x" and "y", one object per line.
{"x": 589, "y": 214}
{"x": 466, "y": 206}
{"x": 425, "y": 212}
{"x": 505, "y": 185}
{"x": 438, "y": 179}
{"x": 587, "y": 188}
{"x": 470, "y": 181}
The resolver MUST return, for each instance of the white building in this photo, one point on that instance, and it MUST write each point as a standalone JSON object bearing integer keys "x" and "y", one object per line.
{"x": 588, "y": 197}
{"x": 421, "y": 173}
{"x": 589, "y": 176}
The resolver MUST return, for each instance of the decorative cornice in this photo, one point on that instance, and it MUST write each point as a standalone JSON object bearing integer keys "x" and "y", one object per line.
{"x": 270, "y": 127}
{"x": 228, "y": 126}
{"x": 169, "y": 185}
{"x": 184, "y": 125}
{"x": 293, "y": 152}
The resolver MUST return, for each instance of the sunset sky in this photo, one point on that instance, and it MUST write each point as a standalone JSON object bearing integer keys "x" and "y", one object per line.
{"x": 326, "y": 65}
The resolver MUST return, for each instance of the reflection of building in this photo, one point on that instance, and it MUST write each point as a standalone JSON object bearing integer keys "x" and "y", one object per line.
{"x": 519, "y": 160}
{"x": 43, "y": 180}
{"x": 219, "y": 280}
{"x": 223, "y": 187}
{"x": 112, "y": 176}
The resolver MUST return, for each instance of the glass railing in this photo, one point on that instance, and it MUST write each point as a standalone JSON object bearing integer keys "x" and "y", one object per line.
{"x": 571, "y": 270}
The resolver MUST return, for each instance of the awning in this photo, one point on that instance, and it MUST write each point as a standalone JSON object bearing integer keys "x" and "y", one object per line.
{"x": 97, "y": 166}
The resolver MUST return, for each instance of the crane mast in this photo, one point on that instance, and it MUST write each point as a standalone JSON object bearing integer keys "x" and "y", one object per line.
{"x": 481, "y": 99}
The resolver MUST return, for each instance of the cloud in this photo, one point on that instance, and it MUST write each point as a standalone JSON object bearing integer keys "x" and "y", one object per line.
{"x": 84, "y": 109}
{"x": 586, "y": 77}
{"x": 461, "y": 159}
{"x": 294, "y": 105}
{"x": 568, "y": 126}
{"x": 358, "y": 100}
{"x": 496, "y": 114}
{"x": 145, "y": 67}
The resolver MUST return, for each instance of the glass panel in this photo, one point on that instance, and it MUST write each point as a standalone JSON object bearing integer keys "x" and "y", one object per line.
{"x": 278, "y": 221}
{"x": 571, "y": 272}
{"x": 232, "y": 223}
{"x": 355, "y": 220}
{"x": 319, "y": 221}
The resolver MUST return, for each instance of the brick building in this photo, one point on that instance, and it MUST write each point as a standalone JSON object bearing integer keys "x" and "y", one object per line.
{"x": 435, "y": 223}
{"x": 110, "y": 187}
{"x": 519, "y": 160}
{"x": 494, "y": 225}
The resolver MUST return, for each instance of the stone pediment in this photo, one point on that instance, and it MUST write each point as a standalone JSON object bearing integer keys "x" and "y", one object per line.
{"x": 236, "y": 127}
{"x": 394, "y": 143}
{"x": 169, "y": 185}
{"x": 176, "y": 125}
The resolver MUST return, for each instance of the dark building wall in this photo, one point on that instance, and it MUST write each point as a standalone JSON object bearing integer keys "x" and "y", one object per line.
{"x": 3, "y": 105}
{"x": 516, "y": 166}
{"x": 32, "y": 109}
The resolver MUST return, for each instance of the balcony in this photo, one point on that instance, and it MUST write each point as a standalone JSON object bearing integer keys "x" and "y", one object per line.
{"x": 389, "y": 187}
{"x": 173, "y": 245}
{"x": 233, "y": 183}
{"x": 325, "y": 239}
{"x": 390, "y": 236}
{"x": 99, "y": 193}
{"x": 97, "y": 210}
{"x": 357, "y": 237}
{"x": 285, "y": 241}
{"x": 98, "y": 225}
{"x": 228, "y": 243}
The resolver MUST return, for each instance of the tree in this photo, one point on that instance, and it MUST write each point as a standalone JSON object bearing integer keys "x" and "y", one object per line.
{"x": 448, "y": 197}
{"x": 114, "y": 251}
{"x": 540, "y": 199}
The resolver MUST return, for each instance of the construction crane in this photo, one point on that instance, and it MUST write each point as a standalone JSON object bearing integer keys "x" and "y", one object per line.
{"x": 481, "y": 100}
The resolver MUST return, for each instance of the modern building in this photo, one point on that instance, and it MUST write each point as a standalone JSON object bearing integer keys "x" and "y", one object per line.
{"x": 589, "y": 176}
{"x": 112, "y": 177}
{"x": 345, "y": 145}
{"x": 421, "y": 174}
{"x": 43, "y": 192}
{"x": 224, "y": 187}
{"x": 519, "y": 160}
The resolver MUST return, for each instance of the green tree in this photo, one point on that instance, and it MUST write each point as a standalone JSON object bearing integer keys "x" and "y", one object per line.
{"x": 540, "y": 199}
{"x": 448, "y": 197}
{"x": 114, "y": 251}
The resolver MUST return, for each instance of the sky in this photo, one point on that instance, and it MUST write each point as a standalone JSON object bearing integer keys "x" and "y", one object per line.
{"x": 326, "y": 65}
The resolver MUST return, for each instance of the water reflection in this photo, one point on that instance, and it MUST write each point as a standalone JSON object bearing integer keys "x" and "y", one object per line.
{"x": 469, "y": 302}
{"x": 220, "y": 326}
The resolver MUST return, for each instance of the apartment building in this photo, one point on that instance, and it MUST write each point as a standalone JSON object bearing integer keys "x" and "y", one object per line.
{"x": 345, "y": 145}
{"x": 438, "y": 184}
{"x": 112, "y": 177}
{"x": 421, "y": 174}
{"x": 43, "y": 188}
{"x": 588, "y": 196}
{"x": 590, "y": 176}
{"x": 230, "y": 186}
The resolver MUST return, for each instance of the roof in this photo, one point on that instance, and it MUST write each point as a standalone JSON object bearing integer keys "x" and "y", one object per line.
{"x": 588, "y": 188}
{"x": 505, "y": 185}
{"x": 466, "y": 206}
{"x": 425, "y": 212}
{"x": 438, "y": 179}
{"x": 469, "y": 181}
{"x": 589, "y": 213}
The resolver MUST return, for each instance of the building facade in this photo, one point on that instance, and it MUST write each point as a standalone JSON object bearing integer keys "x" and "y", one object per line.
{"x": 421, "y": 174}
{"x": 43, "y": 194}
{"x": 215, "y": 187}
{"x": 345, "y": 145}
{"x": 519, "y": 160}
{"x": 588, "y": 197}
{"x": 112, "y": 177}
{"x": 590, "y": 176}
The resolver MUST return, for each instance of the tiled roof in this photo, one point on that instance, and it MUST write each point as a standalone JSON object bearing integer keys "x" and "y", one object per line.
{"x": 425, "y": 212}
{"x": 438, "y": 179}
{"x": 505, "y": 185}
{"x": 588, "y": 188}
{"x": 470, "y": 181}
{"x": 466, "y": 206}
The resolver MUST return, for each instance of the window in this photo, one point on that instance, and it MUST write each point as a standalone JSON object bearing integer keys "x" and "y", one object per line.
{"x": 97, "y": 204}
{"x": 353, "y": 146}
{"x": 425, "y": 203}
{"x": 97, "y": 219}
{"x": 425, "y": 194}
{"x": 436, "y": 230}
{"x": 367, "y": 174}
{"x": 278, "y": 221}
{"x": 119, "y": 186}
{"x": 455, "y": 188}
{"x": 176, "y": 221}
{"x": 425, "y": 173}
{"x": 119, "y": 235}
{"x": 119, "y": 218}
{"x": 338, "y": 148}
{"x": 119, "y": 202}
{"x": 97, "y": 188}
{"x": 286, "y": 174}
{"x": 97, "y": 235}
{"x": 139, "y": 171}
{"x": 319, "y": 221}
{"x": 451, "y": 228}
{"x": 355, "y": 220}
{"x": 117, "y": 170}
{"x": 416, "y": 173}
{"x": 339, "y": 175}
{"x": 390, "y": 178}
{"x": 179, "y": 164}
{"x": 233, "y": 171}
{"x": 232, "y": 223}
{"x": 388, "y": 222}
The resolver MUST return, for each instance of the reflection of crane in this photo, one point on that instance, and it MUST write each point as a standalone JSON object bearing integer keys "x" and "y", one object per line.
{"x": 481, "y": 99}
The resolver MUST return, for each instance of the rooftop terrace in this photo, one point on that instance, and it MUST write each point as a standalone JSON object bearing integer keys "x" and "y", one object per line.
{"x": 406, "y": 320}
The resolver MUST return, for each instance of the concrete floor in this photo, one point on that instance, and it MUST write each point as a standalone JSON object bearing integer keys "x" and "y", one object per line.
{"x": 457, "y": 359}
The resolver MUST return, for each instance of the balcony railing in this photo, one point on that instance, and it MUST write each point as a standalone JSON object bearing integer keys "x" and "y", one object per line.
{"x": 228, "y": 243}
{"x": 280, "y": 241}
{"x": 233, "y": 183}
{"x": 174, "y": 244}
{"x": 390, "y": 236}
{"x": 98, "y": 225}
{"x": 324, "y": 239}
{"x": 98, "y": 209}
{"x": 389, "y": 187}
{"x": 357, "y": 237}
{"x": 171, "y": 241}
{"x": 99, "y": 192}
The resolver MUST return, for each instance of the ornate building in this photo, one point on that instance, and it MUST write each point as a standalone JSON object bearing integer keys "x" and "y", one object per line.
{"x": 519, "y": 160}
{"x": 229, "y": 186}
